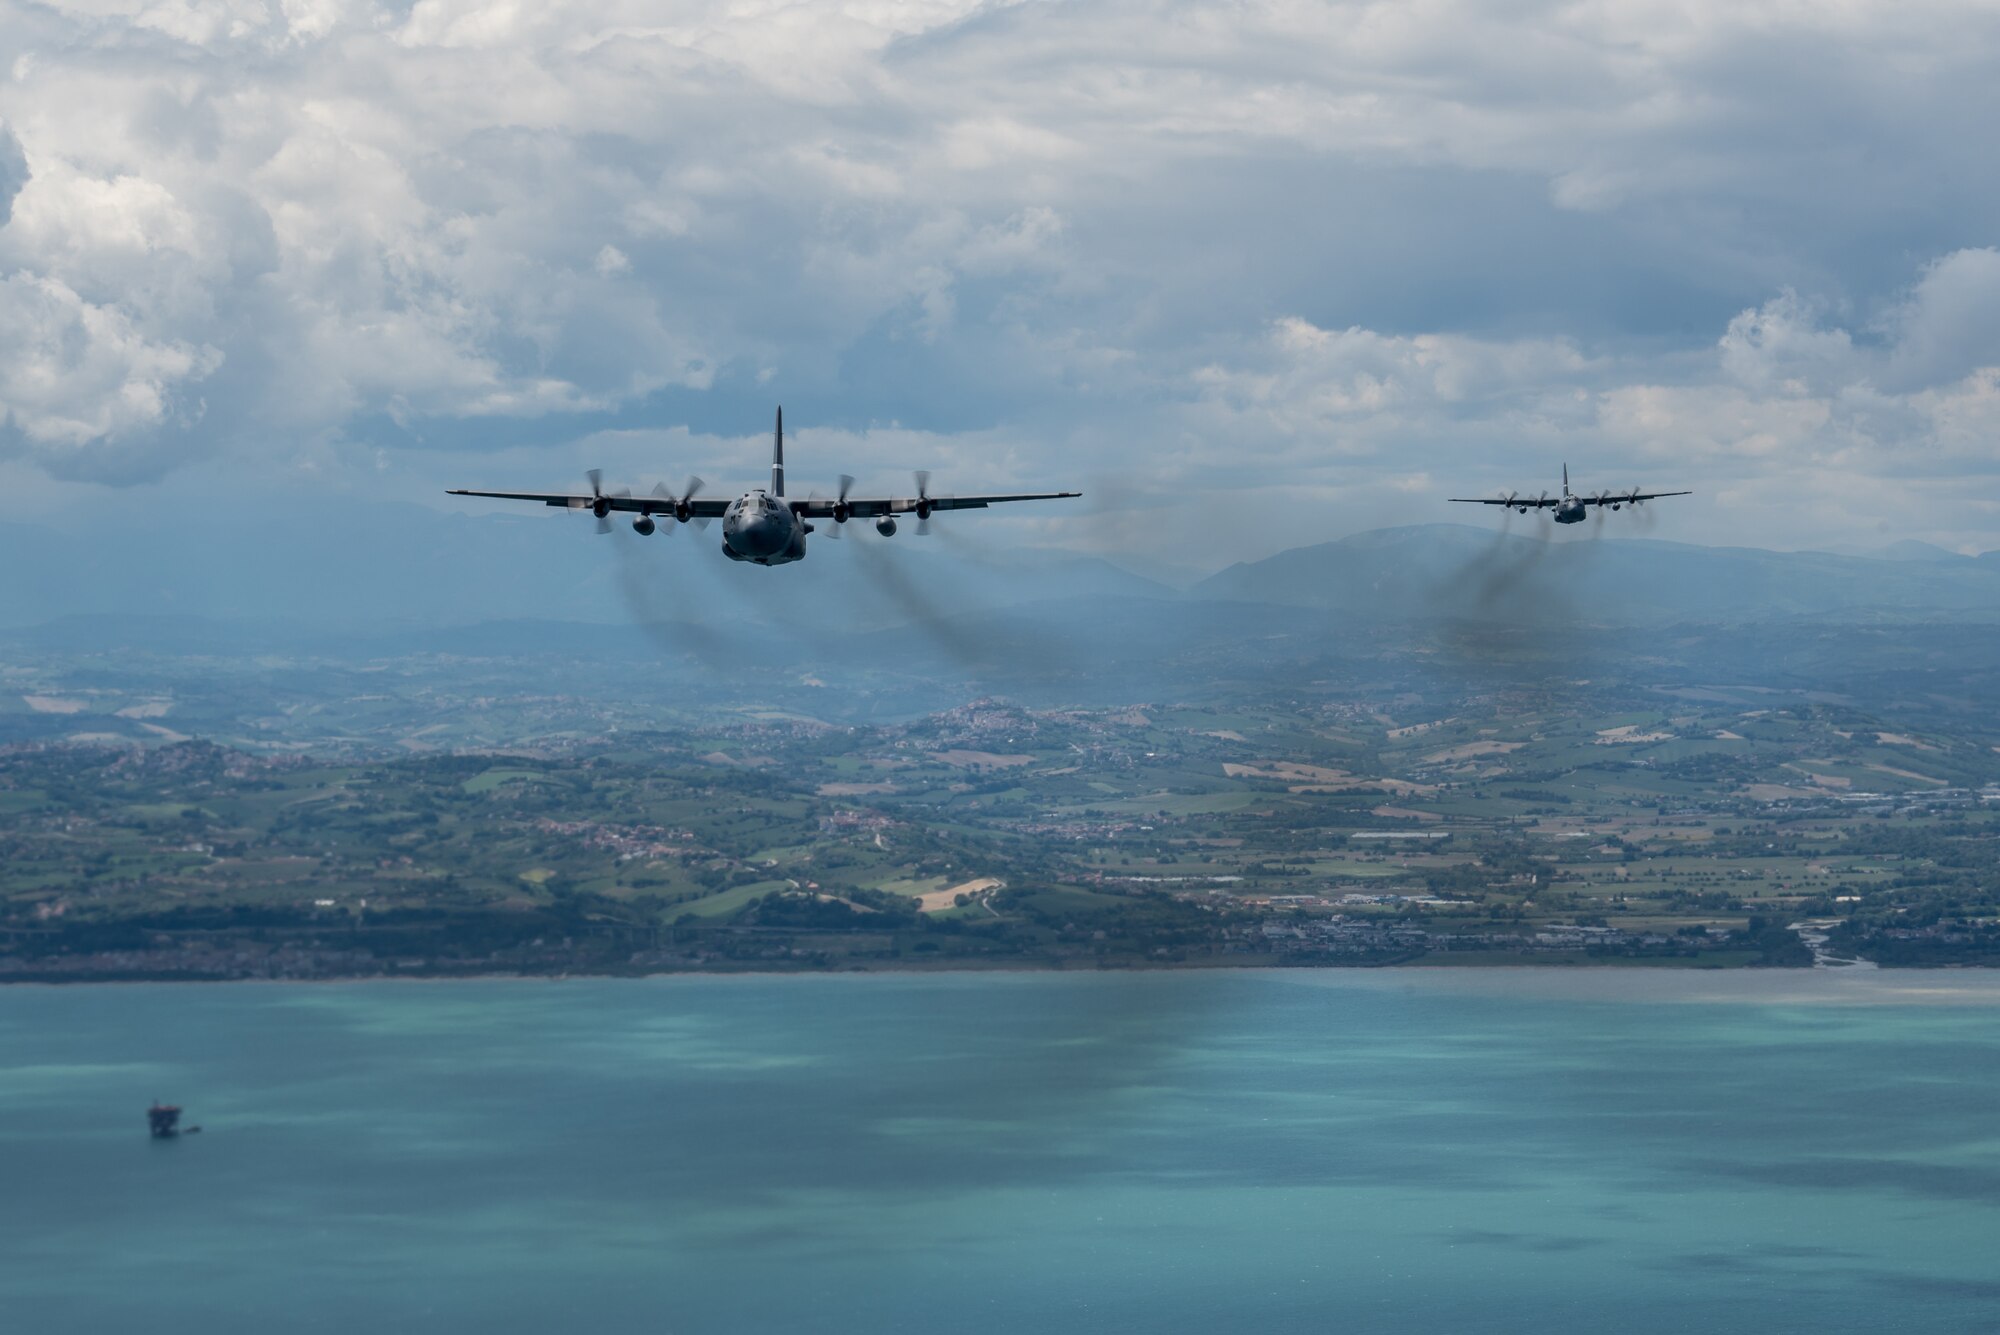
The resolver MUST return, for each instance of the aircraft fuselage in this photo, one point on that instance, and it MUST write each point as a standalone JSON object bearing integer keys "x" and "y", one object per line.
{"x": 763, "y": 530}
{"x": 1571, "y": 511}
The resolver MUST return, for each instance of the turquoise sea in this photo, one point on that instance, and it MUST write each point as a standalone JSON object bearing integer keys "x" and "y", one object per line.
{"x": 1405, "y": 1151}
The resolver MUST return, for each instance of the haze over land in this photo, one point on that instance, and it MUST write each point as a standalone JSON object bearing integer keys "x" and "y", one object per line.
{"x": 349, "y": 566}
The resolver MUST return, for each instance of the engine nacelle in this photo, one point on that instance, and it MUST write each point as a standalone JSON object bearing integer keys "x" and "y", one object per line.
{"x": 643, "y": 526}
{"x": 886, "y": 526}
{"x": 600, "y": 507}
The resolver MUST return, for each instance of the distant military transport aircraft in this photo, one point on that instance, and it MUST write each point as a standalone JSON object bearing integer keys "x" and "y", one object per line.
{"x": 1569, "y": 507}
{"x": 764, "y": 527}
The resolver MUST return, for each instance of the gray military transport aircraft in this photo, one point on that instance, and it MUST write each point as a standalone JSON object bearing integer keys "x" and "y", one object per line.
{"x": 764, "y": 527}
{"x": 1569, "y": 507}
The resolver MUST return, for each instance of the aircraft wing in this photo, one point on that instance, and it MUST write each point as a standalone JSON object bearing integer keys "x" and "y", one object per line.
{"x": 875, "y": 507}
{"x": 657, "y": 505}
{"x": 1513, "y": 502}
{"x": 1629, "y": 497}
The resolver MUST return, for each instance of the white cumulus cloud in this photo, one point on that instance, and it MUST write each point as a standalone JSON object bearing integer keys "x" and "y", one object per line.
{"x": 1354, "y": 242}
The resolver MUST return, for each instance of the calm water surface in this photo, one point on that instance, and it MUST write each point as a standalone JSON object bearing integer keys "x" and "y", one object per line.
{"x": 1409, "y": 1152}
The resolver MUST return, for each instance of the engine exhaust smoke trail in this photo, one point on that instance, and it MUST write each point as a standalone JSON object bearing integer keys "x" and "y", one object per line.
{"x": 894, "y": 583}
{"x": 1498, "y": 575}
{"x": 675, "y": 626}
{"x": 1504, "y": 610}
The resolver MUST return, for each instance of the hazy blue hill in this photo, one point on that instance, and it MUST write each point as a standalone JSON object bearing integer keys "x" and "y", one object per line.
{"x": 1450, "y": 570}
{"x": 353, "y": 583}
{"x": 1910, "y": 549}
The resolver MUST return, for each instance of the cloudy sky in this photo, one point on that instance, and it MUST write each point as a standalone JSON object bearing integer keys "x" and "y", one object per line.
{"x": 1313, "y": 266}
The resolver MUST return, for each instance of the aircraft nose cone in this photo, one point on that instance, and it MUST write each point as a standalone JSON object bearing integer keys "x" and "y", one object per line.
{"x": 758, "y": 535}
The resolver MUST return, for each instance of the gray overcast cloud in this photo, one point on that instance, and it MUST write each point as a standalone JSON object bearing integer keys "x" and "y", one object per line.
{"x": 1379, "y": 253}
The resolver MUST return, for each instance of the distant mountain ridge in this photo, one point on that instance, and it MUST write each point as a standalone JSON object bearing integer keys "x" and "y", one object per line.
{"x": 894, "y": 628}
{"x": 409, "y": 575}
{"x": 1450, "y": 570}
{"x": 1910, "y": 549}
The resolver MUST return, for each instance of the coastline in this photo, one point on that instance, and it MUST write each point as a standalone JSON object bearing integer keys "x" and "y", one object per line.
{"x": 1738, "y": 986}
{"x": 1018, "y": 965}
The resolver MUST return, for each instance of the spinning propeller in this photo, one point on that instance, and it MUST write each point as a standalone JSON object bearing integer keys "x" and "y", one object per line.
{"x": 600, "y": 500}
{"x": 841, "y": 513}
{"x": 679, "y": 506}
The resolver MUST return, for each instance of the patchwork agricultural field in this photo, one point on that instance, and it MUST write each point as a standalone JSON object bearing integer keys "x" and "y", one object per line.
{"x": 150, "y": 829}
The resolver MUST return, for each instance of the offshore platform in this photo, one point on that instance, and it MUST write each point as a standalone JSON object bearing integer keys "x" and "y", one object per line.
{"x": 164, "y": 1121}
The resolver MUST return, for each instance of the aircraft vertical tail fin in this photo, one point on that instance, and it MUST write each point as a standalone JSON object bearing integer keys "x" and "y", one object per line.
{"x": 1565, "y": 477}
{"x": 778, "y": 455}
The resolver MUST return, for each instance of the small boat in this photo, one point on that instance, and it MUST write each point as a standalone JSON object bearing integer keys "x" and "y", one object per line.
{"x": 164, "y": 1121}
